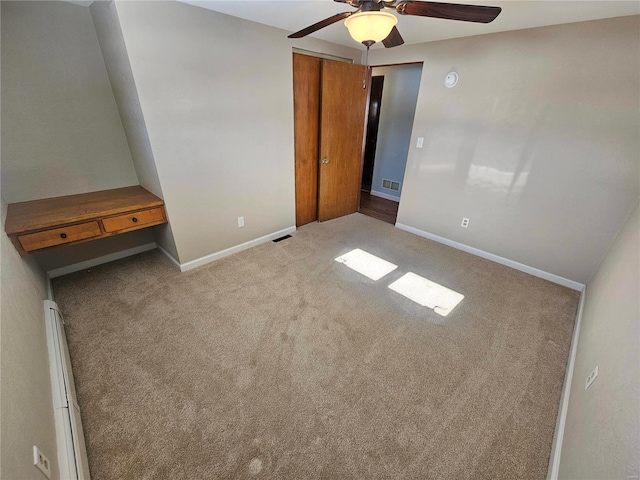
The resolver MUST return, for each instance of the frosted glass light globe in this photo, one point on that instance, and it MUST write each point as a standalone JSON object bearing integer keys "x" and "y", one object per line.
{"x": 370, "y": 26}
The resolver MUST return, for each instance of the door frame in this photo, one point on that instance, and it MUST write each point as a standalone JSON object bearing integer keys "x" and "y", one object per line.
{"x": 369, "y": 76}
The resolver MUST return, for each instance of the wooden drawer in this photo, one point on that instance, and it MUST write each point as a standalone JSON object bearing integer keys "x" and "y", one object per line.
{"x": 59, "y": 236}
{"x": 131, "y": 221}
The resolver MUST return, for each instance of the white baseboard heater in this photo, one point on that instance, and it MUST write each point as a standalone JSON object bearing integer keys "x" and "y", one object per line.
{"x": 72, "y": 452}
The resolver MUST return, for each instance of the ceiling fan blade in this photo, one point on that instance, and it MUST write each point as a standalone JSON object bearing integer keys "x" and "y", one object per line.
{"x": 450, "y": 11}
{"x": 317, "y": 26}
{"x": 393, "y": 39}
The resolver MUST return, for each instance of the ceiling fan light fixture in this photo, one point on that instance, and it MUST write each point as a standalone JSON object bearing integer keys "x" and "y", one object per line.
{"x": 370, "y": 26}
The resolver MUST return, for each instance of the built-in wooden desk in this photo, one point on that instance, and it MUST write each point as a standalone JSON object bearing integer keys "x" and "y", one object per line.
{"x": 56, "y": 221}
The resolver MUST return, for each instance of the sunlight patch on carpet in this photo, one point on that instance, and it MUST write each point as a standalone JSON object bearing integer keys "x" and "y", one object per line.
{"x": 427, "y": 293}
{"x": 367, "y": 264}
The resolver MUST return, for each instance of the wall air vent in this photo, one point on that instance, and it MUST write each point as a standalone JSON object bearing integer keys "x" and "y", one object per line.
{"x": 390, "y": 185}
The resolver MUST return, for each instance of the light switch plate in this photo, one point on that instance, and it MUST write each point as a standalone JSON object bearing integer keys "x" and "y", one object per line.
{"x": 420, "y": 142}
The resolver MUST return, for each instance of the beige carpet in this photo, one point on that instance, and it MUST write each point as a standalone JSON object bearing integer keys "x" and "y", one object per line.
{"x": 279, "y": 362}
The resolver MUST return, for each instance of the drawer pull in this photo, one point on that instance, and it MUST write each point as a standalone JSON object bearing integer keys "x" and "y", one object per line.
{"x": 134, "y": 220}
{"x": 59, "y": 236}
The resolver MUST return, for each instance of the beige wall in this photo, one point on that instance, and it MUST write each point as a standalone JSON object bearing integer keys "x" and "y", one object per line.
{"x": 114, "y": 51}
{"x": 602, "y": 433}
{"x": 537, "y": 144}
{"x": 26, "y": 407}
{"x": 61, "y": 129}
{"x": 216, "y": 95}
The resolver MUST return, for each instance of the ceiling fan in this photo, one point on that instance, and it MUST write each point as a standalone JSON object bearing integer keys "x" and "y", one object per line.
{"x": 370, "y": 24}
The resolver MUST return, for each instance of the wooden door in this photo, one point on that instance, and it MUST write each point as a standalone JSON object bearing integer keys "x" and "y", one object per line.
{"x": 306, "y": 112}
{"x": 342, "y": 123}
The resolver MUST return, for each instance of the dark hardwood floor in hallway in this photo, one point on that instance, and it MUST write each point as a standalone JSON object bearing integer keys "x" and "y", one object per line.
{"x": 377, "y": 207}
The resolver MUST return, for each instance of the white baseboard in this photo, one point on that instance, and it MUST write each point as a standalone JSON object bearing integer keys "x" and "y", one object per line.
{"x": 495, "y": 258}
{"x": 375, "y": 193}
{"x": 228, "y": 251}
{"x": 76, "y": 267}
{"x": 556, "y": 448}
{"x": 171, "y": 258}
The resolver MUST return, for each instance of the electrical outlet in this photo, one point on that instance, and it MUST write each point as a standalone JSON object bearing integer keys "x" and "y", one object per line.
{"x": 465, "y": 222}
{"x": 591, "y": 378}
{"x": 420, "y": 142}
{"x": 240, "y": 222}
{"x": 41, "y": 462}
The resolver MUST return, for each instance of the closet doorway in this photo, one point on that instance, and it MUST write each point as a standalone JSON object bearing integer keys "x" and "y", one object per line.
{"x": 329, "y": 118}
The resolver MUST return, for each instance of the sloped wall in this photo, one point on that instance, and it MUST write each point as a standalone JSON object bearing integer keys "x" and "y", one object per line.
{"x": 61, "y": 131}
{"x": 114, "y": 51}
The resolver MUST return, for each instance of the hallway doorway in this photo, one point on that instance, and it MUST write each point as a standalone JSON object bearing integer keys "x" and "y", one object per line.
{"x": 392, "y": 106}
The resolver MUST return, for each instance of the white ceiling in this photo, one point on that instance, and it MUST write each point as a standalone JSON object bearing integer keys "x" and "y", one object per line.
{"x": 294, "y": 15}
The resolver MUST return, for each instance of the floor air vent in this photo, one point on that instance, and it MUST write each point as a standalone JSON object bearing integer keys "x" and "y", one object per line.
{"x": 281, "y": 238}
{"x": 390, "y": 184}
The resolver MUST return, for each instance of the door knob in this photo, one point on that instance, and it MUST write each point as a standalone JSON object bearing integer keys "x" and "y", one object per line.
{"x": 325, "y": 160}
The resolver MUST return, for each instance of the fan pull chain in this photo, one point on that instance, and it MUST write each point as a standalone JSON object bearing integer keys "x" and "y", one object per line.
{"x": 366, "y": 64}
